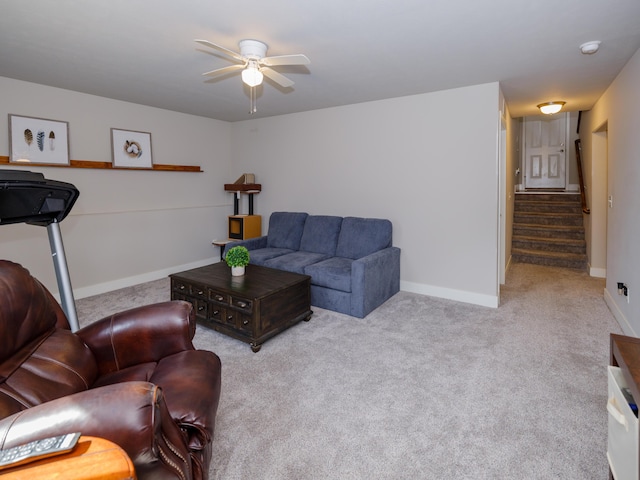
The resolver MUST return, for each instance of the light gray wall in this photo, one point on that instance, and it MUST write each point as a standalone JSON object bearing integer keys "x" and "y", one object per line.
{"x": 611, "y": 149}
{"x": 426, "y": 162}
{"x": 127, "y": 226}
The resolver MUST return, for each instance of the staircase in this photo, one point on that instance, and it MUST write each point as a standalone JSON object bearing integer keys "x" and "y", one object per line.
{"x": 548, "y": 230}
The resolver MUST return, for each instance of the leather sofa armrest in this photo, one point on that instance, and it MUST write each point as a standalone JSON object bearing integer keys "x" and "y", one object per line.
{"x": 140, "y": 335}
{"x": 132, "y": 415}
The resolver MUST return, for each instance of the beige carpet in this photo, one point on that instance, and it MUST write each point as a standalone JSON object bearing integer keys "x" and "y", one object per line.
{"x": 422, "y": 388}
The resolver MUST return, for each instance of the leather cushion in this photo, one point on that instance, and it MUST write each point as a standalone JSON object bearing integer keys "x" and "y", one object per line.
{"x": 26, "y": 311}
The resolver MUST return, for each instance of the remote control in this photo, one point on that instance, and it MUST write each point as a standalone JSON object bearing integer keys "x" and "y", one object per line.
{"x": 38, "y": 449}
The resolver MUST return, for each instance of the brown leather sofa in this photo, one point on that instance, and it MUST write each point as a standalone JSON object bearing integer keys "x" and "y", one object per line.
{"x": 133, "y": 378}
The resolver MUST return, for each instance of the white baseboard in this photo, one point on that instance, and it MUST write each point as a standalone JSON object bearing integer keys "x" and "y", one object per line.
{"x": 136, "y": 279}
{"x": 618, "y": 315}
{"x": 598, "y": 272}
{"x": 450, "y": 294}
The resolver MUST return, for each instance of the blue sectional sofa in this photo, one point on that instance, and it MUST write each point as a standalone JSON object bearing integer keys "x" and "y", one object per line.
{"x": 353, "y": 265}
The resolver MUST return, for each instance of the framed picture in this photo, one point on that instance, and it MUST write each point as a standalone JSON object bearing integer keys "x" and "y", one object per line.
{"x": 131, "y": 149}
{"x": 38, "y": 140}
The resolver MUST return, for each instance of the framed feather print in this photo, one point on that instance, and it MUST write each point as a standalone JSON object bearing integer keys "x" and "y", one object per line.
{"x": 38, "y": 140}
{"x": 131, "y": 149}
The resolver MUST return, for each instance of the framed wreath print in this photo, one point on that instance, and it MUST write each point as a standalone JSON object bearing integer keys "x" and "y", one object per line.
{"x": 38, "y": 140}
{"x": 131, "y": 149}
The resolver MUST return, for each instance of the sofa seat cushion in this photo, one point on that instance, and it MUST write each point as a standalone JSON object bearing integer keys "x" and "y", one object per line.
{"x": 295, "y": 261}
{"x": 261, "y": 255}
{"x": 320, "y": 234}
{"x": 285, "y": 229}
{"x": 334, "y": 273}
{"x": 360, "y": 237}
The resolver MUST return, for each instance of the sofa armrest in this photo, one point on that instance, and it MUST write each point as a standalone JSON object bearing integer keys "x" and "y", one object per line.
{"x": 250, "y": 243}
{"x": 374, "y": 279}
{"x": 140, "y": 335}
{"x": 132, "y": 415}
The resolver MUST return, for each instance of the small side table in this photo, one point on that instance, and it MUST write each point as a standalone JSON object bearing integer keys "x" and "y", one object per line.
{"x": 92, "y": 458}
{"x": 221, "y": 244}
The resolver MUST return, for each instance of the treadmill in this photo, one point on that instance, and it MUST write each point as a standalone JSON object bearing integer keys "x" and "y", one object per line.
{"x": 28, "y": 197}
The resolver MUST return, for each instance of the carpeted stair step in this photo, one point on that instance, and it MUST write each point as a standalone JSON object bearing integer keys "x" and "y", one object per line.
{"x": 551, "y": 244}
{"x": 549, "y": 231}
{"x": 546, "y": 218}
{"x": 555, "y": 259}
{"x": 548, "y": 197}
{"x": 548, "y": 207}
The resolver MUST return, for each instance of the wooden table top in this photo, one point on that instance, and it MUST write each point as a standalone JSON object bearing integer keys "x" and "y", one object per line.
{"x": 257, "y": 282}
{"x": 92, "y": 459}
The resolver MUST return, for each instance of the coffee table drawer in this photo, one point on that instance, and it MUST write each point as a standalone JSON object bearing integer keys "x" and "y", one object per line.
{"x": 179, "y": 286}
{"x": 243, "y": 304}
{"x": 229, "y": 318}
{"x": 219, "y": 297}
{"x": 192, "y": 289}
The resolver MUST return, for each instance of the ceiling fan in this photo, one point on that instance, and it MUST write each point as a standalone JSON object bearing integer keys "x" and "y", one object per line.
{"x": 254, "y": 64}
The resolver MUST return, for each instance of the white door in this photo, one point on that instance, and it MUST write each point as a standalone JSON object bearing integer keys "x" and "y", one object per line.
{"x": 545, "y": 151}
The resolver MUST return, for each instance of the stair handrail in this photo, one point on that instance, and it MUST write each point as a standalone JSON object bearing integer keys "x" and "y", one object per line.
{"x": 583, "y": 195}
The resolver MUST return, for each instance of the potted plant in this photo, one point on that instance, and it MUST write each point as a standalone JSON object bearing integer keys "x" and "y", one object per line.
{"x": 237, "y": 258}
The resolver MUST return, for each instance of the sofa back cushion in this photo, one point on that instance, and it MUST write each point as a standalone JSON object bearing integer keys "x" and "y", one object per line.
{"x": 360, "y": 237}
{"x": 285, "y": 229}
{"x": 320, "y": 234}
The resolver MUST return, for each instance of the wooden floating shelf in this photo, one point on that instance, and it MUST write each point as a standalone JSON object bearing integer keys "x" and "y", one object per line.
{"x": 243, "y": 187}
{"x": 4, "y": 160}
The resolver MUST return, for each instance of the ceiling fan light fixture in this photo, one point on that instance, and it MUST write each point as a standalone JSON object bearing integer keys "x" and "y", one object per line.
{"x": 549, "y": 108}
{"x": 252, "y": 75}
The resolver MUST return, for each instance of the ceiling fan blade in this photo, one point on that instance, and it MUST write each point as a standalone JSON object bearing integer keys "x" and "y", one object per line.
{"x": 220, "y": 48}
{"x": 296, "y": 59}
{"x": 223, "y": 70}
{"x": 277, "y": 77}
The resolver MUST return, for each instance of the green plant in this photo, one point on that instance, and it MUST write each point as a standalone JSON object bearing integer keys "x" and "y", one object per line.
{"x": 237, "y": 257}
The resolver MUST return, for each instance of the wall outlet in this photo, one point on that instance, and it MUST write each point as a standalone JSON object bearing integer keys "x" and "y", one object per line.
{"x": 623, "y": 289}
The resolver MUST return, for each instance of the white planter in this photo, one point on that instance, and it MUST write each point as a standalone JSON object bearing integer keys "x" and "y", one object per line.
{"x": 237, "y": 271}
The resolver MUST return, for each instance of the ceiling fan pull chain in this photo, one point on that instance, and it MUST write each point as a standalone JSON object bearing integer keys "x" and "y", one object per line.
{"x": 252, "y": 95}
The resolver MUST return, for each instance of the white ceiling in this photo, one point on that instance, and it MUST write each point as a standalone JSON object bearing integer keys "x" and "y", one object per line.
{"x": 142, "y": 51}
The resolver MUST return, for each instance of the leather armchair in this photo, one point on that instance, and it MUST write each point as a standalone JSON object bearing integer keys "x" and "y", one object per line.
{"x": 133, "y": 378}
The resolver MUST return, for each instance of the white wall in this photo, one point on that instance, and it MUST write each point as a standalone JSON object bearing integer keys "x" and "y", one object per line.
{"x": 426, "y": 162}
{"x": 127, "y": 226}
{"x": 613, "y": 122}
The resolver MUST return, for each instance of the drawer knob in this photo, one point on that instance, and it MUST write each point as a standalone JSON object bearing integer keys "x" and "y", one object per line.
{"x": 245, "y": 322}
{"x": 219, "y": 298}
{"x": 216, "y": 312}
{"x": 242, "y": 304}
{"x": 200, "y": 308}
{"x": 200, "y": 292}
{"x": 181, "y": 287}
{"x": 229, "y": 318}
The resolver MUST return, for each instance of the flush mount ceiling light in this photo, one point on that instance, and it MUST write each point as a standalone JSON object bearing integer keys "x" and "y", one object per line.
{"x": 589, "y": 48}
{"x": 549, "y": 108}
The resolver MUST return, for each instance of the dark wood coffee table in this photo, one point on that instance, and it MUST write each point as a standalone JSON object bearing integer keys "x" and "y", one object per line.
{"x": 252, "y": 308}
